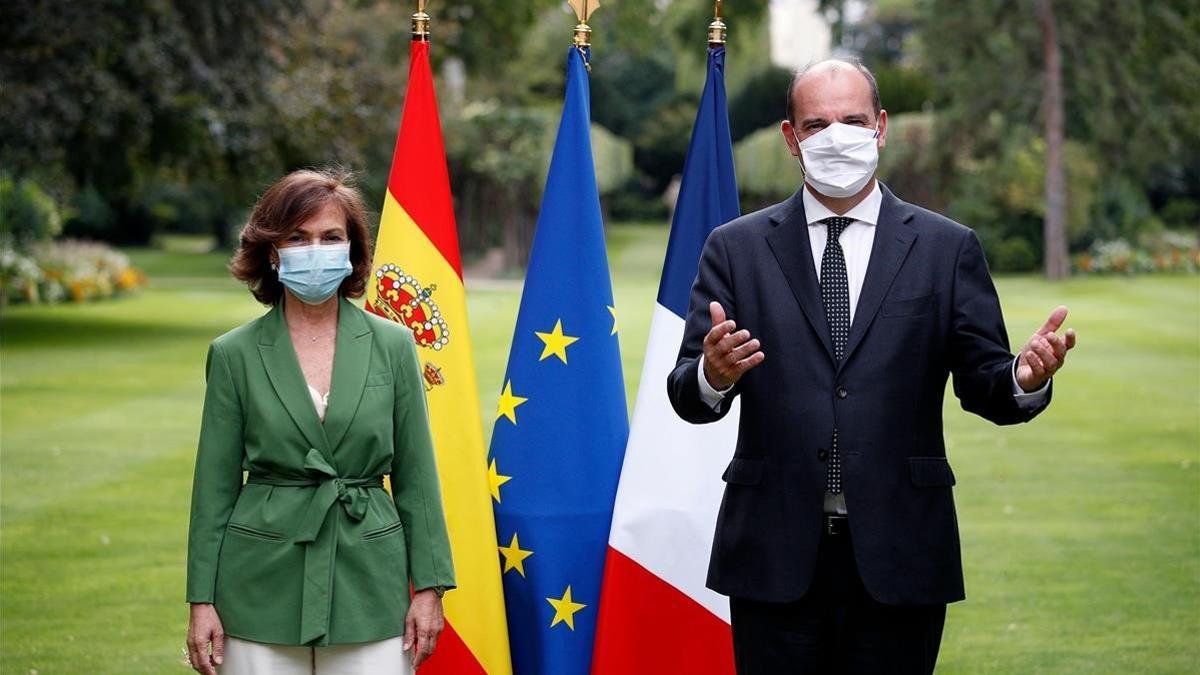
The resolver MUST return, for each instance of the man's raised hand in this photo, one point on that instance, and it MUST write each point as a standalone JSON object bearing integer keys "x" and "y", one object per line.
{"x": 1045, "y": 352}
{"x": 727, "y": 354}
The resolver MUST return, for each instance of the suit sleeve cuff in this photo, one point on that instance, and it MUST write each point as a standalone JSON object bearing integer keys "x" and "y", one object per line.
{"x": 1025, "y": 400}
{"x": 711, "y": 397}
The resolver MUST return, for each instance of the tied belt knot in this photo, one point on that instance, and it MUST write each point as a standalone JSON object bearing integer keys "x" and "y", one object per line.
{"x": 321, "y": 551}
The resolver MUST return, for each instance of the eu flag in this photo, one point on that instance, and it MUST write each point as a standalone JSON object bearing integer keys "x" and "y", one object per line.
{"x": 561, "y": 424}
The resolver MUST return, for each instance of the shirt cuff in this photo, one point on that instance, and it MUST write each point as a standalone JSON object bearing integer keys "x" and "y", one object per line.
{"x": 711, "y": 397}
{"x": 1025, "y": 400}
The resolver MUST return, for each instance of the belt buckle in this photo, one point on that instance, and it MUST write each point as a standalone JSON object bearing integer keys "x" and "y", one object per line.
{"x": 836, "y": 524}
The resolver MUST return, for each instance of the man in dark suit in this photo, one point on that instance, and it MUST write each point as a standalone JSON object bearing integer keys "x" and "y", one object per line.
{"x": 837, "y": 540}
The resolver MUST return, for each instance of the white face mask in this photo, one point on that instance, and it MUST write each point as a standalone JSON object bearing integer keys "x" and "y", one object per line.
{"x": 840, "y": 159}
{"x": 314, "y": 272}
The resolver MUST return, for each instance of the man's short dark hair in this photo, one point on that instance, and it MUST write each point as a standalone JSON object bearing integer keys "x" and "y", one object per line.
{"x": 852, "y": 60}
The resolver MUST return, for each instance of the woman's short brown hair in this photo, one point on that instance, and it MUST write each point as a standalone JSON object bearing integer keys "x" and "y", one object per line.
{"x": 285, "y": 206}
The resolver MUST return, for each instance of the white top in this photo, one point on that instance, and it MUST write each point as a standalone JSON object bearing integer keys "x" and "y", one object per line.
{"x": 319, "y": 402}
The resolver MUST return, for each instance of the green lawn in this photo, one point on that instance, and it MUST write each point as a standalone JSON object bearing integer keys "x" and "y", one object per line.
{"x": 1081, "y": 531}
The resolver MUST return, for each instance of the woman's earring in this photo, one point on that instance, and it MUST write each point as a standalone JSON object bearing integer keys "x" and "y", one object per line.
{"x": 273, "y": 267}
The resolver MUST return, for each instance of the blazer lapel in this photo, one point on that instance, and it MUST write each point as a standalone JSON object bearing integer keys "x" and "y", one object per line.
{"x": 893, "y": 238}
{"x": 789, "y": 242}
{"x": 351, "y": 361}
{"x": 283, "y": 369}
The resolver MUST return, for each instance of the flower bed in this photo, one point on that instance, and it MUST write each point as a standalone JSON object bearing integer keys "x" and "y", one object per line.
{"x": 1170, "y": 252}
{"x": 65, "y": 271}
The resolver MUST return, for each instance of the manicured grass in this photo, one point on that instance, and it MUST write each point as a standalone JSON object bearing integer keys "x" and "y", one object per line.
{"x": 1081, "y": 531}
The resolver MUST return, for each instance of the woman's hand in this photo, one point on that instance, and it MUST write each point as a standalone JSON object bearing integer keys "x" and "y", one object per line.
{"x": 423, "y": 625}
{"x": 204, "y": 627}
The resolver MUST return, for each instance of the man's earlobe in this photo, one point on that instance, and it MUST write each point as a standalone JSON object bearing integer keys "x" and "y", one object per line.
{"x": 789, "y": 137}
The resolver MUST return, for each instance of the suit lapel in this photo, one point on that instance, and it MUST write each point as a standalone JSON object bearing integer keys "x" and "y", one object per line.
{"x": 893, "y": 238}
{"x": 789, "y": 242}
{"x": 283, "y": 369}
{"x": 351, "y": 361}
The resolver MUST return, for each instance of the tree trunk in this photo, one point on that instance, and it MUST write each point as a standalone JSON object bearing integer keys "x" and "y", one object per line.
{"x": 512, "y": 237}
{"x": 1055, "y": 227}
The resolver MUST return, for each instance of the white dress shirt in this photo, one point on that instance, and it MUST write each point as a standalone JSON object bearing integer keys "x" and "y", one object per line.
{"x": 856, "y": 240}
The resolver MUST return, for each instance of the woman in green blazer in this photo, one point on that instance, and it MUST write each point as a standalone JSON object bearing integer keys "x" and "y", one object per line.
{"x": 307, "y": 557}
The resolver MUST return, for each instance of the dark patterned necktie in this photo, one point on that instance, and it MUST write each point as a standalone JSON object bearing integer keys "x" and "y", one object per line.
{"x": 835, "y": 295}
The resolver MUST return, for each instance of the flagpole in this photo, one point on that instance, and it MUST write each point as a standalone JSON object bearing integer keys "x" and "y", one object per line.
{"x": 420, "y": 23}
{"x": 716, "y": 29}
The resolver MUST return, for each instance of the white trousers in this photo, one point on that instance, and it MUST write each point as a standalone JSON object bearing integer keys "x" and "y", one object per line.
{"x": 384, "y": 657}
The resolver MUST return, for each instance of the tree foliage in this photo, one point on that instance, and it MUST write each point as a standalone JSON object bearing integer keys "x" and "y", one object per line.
{"x": 1129, "y": 74}
{"x": 107, "y": 95}
{"x": 137, "y": 116}
{"x": 1129, "y": 101}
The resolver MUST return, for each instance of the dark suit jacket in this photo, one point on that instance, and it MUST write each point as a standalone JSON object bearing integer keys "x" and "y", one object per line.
{"x": 927, "y": 310}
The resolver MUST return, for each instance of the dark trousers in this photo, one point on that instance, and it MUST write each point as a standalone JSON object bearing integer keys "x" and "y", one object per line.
{"x": 836, "y": 627}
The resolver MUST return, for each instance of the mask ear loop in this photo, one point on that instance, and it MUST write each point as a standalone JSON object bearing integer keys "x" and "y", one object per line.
{"x": 803, "y": 173}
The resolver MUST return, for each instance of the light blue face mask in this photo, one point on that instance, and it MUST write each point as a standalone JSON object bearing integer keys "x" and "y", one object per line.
{"x": 314, "y": 272}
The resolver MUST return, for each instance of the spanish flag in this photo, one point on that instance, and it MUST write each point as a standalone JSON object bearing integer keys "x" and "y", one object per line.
{"x": 417, "y": 281}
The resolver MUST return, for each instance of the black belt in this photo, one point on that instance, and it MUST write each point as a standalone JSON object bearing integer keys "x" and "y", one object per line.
{"x": 836, "y": 525}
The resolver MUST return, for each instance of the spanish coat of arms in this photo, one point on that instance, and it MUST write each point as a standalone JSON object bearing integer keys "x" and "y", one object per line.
{"x": 401, "y": 298}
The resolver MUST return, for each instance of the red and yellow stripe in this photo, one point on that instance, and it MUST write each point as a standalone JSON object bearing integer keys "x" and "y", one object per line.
{"x": 417, "y": 253}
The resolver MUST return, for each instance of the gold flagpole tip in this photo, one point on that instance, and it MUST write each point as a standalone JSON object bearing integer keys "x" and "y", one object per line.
{"x": 716, "y": 29}
{"x": 583, "y": 11}
{"x": 584, "y": 8}
{"x": 420, "y": 23}
{"x": 583, "y": 36}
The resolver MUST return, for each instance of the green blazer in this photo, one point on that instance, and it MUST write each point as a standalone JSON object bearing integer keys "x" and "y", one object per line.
{"x": 311, "y": 549}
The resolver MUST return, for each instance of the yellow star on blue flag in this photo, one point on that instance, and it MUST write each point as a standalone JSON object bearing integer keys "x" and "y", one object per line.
{"x": 564, "y": 609}
{"x": 556, "y": 342}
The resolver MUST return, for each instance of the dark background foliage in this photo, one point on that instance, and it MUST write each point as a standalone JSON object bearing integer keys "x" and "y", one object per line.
{"x": 144, "y": 117}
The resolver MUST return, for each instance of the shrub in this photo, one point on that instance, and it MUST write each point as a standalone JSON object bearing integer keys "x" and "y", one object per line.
{"x": 635, "y": 200}
{"x": 1180, "y": 212}
{"x": 1014, "y": 254}
{"x": 759, "y": 103}
{"x": 766, "y": 171}
{"x": 1121, "y": 211}
{"x": 909, "y": 164}
{"x": 94, "y": 217}
{"x": 20, "y": 276}
{"x": 613, "y": 157}
{"x": 27, "y": 214}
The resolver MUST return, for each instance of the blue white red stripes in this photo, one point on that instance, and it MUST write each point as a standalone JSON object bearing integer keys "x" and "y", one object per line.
{"x": 656, "y": 615}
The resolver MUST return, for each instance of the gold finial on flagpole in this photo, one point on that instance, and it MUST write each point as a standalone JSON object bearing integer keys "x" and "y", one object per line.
{"x": 420, "y": 23}
{"x": 716, "y": 29}
{"x": 583, "y": 11}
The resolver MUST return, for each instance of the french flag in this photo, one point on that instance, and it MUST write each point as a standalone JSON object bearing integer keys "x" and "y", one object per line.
{"x": 656, "y": 615}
